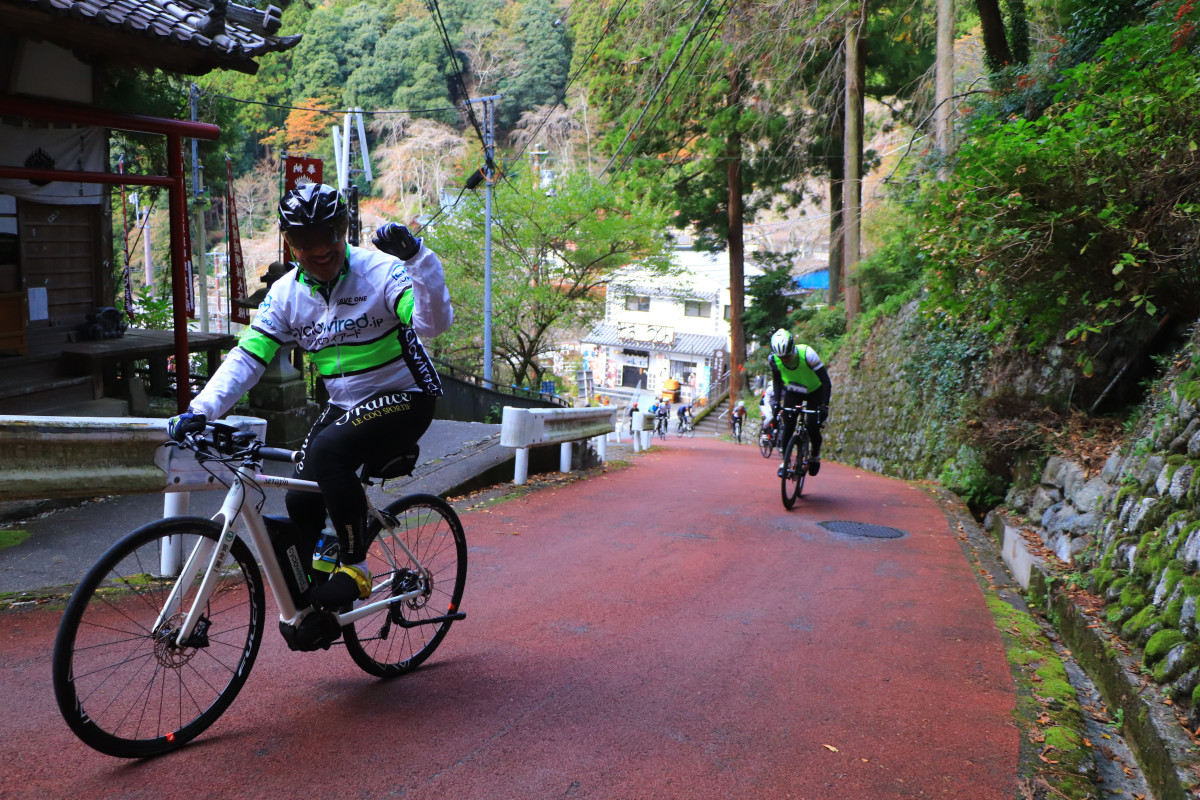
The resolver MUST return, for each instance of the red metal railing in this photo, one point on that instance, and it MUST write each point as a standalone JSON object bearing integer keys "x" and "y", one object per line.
{"x": 175, "y": 130}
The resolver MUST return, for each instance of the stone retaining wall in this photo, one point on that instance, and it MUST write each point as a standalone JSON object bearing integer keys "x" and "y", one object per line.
{"x": 1130, "y": 531}
{"x": 877, "y": 421}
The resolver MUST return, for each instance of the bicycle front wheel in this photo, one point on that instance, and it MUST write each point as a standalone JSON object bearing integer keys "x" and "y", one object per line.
{"x": 765, "y": 444}
{"x": 795, "y": 468}
{"x": 123, "y": 682}
{"x": 379, "y": 643}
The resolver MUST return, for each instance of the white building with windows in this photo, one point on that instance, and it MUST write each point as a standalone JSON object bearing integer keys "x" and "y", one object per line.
{"x": 657, "y": 329}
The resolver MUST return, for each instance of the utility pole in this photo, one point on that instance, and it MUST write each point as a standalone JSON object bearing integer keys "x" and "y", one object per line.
{"x": 944, "y": 83}
{"x": 536, "y": 154}
{"x": 199, "y": 240}
{"x": 342, "y": 145}
{"x": 489, "y": 175}
{"x": 852, "y": 150}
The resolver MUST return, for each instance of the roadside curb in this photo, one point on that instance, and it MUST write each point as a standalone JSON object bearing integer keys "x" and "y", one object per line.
{"x": 1055, "y": 759}
{"x": 1168, "y": 758}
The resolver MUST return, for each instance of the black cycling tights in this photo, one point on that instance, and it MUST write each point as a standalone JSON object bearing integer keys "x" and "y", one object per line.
{"x": 336, "y": 448}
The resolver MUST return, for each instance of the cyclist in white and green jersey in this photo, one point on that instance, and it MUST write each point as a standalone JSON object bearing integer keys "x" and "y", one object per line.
{"x": 360, "y": 315}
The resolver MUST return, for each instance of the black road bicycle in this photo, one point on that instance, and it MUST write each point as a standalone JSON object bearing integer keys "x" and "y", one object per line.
{"x": 796, "y": 452}
{"x": 766, "y": 439}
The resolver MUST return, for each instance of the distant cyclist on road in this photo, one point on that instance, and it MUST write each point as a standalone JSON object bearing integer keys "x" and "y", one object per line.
{"x": 798, "y": 375}
{"x": 359, "y": 314}
{"x": 768, "y": 416}
{"x": 738, "y": 416}
{"x": 685, "y": 415}
{"x": 662, "y": 415}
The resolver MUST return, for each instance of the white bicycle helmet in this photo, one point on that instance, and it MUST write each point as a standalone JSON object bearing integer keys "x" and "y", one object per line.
{"x": 741, "y": 404}
{"x": 782, "y": 344}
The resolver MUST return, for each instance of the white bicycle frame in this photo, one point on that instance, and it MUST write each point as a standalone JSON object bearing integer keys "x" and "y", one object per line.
{"x": 208, "y": 556}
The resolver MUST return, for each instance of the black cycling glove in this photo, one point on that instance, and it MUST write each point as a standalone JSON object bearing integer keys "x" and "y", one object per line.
{"x": 395, "y": 240}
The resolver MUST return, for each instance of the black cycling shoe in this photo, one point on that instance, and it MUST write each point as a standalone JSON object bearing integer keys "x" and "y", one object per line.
{"x": 337, "y": 593}
{"x": 779, "y": 474}
{"x": 814, "y": 466}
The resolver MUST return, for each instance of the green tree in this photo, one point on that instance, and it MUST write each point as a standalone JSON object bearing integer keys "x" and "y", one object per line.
{"x": 338, "y": 39}
{"x": 543, "y": 54}
{"x": 773, "y": 297}
{"x": 554, "y": 254}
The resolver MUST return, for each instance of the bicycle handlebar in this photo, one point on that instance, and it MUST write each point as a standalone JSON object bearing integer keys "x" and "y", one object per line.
{"x": 279, "y": 454}
{"x": 230, "y": 441}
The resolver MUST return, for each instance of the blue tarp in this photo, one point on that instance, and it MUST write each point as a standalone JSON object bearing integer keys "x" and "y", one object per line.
{"x": 817, "y": 279}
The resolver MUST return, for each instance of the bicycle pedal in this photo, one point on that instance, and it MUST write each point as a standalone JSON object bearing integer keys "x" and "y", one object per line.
{"x": 317, "y": 631}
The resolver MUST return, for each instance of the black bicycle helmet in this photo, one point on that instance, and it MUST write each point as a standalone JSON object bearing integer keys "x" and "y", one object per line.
{"x": 312, "y": 205}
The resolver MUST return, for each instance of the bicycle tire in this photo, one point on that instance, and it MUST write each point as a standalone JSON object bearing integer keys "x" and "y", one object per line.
{"x": 766, "y": 445}
{"x": 737, "y": 432}
{"x": 795, "y": 460}
{"x": 106, "y": 645}
{"x": 435, "y": 535}
{"x": 691, "y": 431}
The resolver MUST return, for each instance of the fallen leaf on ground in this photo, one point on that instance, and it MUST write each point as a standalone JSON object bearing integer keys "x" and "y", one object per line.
{"x": 830, "y": 748}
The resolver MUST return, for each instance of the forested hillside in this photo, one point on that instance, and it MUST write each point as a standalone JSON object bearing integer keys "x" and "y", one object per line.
{"x": 1046, "y": 231}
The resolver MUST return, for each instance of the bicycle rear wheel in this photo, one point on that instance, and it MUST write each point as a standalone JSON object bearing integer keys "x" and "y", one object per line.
{"x": 429, "y": 527}
{"x": 795, "y": 468}
{"x": 123, "y": 684}
{"x": 737, "y": 432}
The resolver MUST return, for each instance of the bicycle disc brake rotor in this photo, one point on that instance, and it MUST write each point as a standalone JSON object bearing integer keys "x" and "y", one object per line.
{"x": 168, "y": 652}
{"x": 406, "y": 581}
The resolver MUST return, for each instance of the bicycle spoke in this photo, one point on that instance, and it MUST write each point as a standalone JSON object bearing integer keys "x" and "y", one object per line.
{"x": 130, "y": 690}
{"x": 378, "y": 643}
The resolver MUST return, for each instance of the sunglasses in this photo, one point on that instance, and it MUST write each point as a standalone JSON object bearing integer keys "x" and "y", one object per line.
{"x": 307, "y": 239}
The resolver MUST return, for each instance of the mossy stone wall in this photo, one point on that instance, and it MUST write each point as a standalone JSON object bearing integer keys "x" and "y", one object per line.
{"x": 878, "y": 421}
{"x": 1131, "y": 531}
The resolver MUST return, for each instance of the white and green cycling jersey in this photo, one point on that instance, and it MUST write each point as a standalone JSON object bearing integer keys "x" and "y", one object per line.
{"x": 361, "y": 331}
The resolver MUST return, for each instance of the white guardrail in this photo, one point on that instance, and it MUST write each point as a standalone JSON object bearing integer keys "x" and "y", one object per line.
{"x": 523, "y": 428}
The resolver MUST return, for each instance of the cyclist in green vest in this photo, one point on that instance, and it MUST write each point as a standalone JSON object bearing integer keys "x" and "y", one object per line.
{"x": 798, "y": 375}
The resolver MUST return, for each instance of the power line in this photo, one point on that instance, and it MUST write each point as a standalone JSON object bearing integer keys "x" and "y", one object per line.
{"x": 658, "y": 88}
{"x": 691, "y": 65}
{"x": 571, "y": 79}
{"x": 383, "y": 112}
{"x": 440, "y": 24}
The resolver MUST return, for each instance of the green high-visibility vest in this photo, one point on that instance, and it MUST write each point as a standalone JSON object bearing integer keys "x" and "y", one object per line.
{"x": 802, "y": 377}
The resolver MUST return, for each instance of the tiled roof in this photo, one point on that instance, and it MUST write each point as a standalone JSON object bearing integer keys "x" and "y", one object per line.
{"x": 692, "y": 344}
{"x": 178, "y": 35}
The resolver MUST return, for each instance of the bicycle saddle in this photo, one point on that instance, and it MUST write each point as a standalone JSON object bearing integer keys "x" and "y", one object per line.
{"x": 398, "y": 467}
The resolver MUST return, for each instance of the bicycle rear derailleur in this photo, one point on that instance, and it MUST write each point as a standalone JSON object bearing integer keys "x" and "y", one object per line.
{"x": 316, "y": 631}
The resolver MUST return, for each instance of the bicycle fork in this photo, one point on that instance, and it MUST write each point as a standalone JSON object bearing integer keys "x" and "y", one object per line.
{"x": 207, "y": 554}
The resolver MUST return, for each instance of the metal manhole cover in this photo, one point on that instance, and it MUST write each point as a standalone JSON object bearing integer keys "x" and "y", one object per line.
{"x": 862, "y": 529}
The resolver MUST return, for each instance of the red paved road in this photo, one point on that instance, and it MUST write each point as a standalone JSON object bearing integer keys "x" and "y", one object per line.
{"x": 665, "y": 631}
